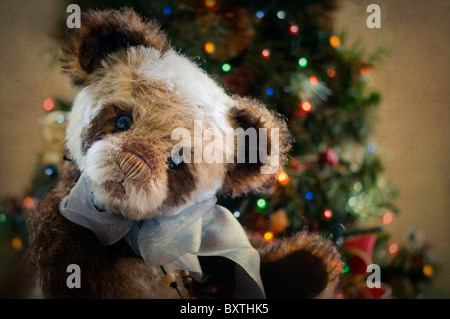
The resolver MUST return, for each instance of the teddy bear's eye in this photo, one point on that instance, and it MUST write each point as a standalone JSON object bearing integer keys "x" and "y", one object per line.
{"x": 123, "y": 123}
{"x": 174, "y": 163}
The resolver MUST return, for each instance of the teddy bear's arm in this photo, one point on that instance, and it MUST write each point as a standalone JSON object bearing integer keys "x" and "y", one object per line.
{"x": 302, "y": 266}
{"x": 56, "y": 243}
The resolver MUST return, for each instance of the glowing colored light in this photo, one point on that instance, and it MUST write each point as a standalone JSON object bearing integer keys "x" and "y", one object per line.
{"x": 309, "y": 195}
{"x": 48, "y": 171}
{"x": 60, "y": 118}
{"x": 3, "y": 217}
{"x": 303, "y": 62}
{"x": 388, "y": 217}
{"x": 167, "y": 10}
{"x": 226, "y": 67}
{"x": 294, "y": 29}
{"x": 357, "y": 187}
{"x": 268, "y": 236}
{"x": 28, "y": 202}
{"x": 393, "y": 248}
{"x": 313, "y": 80}
{"x": 265, "y": 53}
{"x": 281, "y": 14}
{"x": 16, "y": 243}
{"x": 331, "y": 73}
{"x": 352, "y": 201}
{"x": 269, "y": 91}
{"x": 335, "y": 41}
{"x": 283, "y": 178}
{"x": 210, "y": 47}
{"x": 260, "y": 14}
{"x": 371, "y": 148}
{"x": 261, "y": 203}
{"x": 306, "y": 106}
{"x": 236, "y": 213}
{"x": 210, "y": 3}
{"x": 366, "y": 70}
{"x": 428, "y": 270}
{"x": 345, "y": 268}
{"x": 327, "y": 214}
{"x": 48, "y": 104}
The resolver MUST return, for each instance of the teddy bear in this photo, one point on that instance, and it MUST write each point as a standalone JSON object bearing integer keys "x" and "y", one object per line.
{"x": 135, "y": 206}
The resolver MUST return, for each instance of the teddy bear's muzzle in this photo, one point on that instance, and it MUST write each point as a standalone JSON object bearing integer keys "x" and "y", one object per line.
{"x": 133, "y": 167}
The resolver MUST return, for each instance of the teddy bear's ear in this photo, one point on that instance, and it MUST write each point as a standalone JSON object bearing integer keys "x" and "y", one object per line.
{"x": 102, "y": 33}
{"x": 272, "y": 139}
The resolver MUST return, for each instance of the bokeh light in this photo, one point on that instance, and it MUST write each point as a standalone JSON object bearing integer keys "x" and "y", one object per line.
{"x": 313, "y": 80}
{"x": 28, "y": 202}
{"x": 268, "y": 236}
{"x": 210, "y": 47}
{"x": 16, "y": 243}
{"x": 393, "y": 248}
{"x": 303, "y": 62}
{"x": 48, "y": 104}
{"x": 306, "y": 106}
{"x": 226, "y": 67}
{"x": 261, "y": 203}
{"x": 428, "y": 270}
{"x": 281, "y": 14}
{"x": 327, "y": 214}
{"x": 388, "y": 217}
{"x": 335, "y": 41}
{"x": 265, "y": 53}
{"x": 210, "y": 3}
{"x": 294, "y": 29}
{"x": 283, "y": 178}
{"x": 331, "y": 73}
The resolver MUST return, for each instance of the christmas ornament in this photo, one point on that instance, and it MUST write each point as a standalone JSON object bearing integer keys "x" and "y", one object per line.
{"x": 329, "y": 157}
{"x": 364, "y": 292}
{"x": 360, "y": 249}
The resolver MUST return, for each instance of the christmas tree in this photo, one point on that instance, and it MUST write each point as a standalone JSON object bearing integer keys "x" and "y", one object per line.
{"x": 286, "y": 54}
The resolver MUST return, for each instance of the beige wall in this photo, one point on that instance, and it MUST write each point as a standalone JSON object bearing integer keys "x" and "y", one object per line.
{"x": 26, "y": 79}
{"x": 412, "y": 133}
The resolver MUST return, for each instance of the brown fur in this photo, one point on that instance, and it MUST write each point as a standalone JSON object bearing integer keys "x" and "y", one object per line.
{"x": 103, "y": 33}
{"x": 309, "y": 263}
{"x": 181, "y": 182}
{"x": 104, "y": 123}
{"x": 56, "y": 243}
{"x": 243, "y": 177}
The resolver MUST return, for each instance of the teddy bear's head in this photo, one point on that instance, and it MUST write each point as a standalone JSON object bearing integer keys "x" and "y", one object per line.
{"x": 137, "y": 95}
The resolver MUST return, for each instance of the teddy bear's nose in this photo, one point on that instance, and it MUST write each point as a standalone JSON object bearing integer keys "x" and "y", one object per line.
{"x": 133, "y": 167}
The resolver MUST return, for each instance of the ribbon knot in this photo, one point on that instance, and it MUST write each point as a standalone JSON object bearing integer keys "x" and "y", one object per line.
{"x": 175, "y": 240}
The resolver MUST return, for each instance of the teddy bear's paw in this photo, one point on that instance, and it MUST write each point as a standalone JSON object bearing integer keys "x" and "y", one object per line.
{"x": 134, "y": 279}
{"x": 302, "y": 266}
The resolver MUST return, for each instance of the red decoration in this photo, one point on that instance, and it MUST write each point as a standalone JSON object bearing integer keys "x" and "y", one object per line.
{"x": 384, "y": 292}
{"x": 294, "y": 163}
{"x": 329, "y": 157}
{"x": 361, "y": 250}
